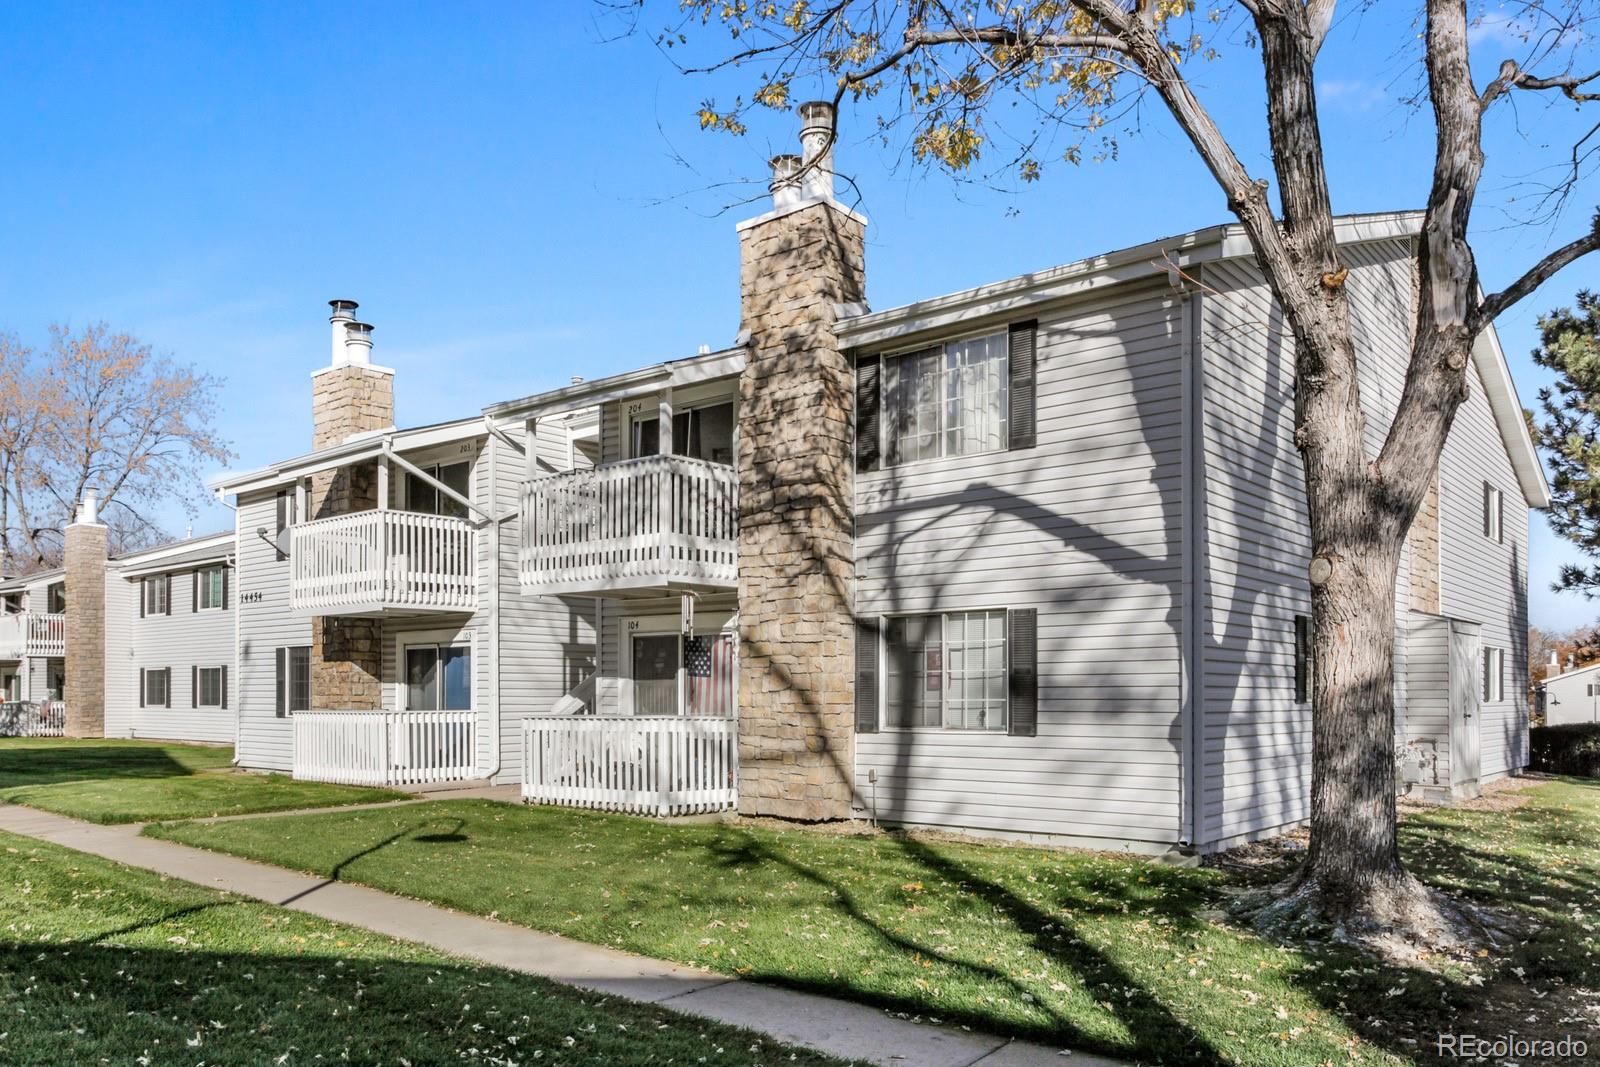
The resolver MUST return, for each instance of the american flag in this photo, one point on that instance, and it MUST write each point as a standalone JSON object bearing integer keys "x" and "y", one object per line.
{"x": 708, "y": 661}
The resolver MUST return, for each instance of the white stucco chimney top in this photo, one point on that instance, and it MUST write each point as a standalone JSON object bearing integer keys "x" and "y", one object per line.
{"x": 785, "y": 184}
{"x": 816, "y": 148}
{"x": 358, "y": 343}
{"x": 344, "y": 313}
{"x": 89, "y": 509}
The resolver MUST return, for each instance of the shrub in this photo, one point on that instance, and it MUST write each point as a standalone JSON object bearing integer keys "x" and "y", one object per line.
{"x": 1573, "y": 748}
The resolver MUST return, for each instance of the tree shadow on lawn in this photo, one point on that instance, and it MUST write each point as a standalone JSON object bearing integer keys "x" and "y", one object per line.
{"x": 37, "y": 763}
{"x": 230, "y": 1007}
{"x": 1155, "y": 1031}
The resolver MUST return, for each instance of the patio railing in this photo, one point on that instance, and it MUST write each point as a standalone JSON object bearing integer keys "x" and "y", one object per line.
{"x": 33, "y": 633}
{"x": 385, "y": 747}
{"x": 33, "y": 718}
{"x": 649, "y": 765}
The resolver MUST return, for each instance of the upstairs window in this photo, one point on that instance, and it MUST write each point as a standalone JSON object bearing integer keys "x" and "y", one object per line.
{"x": 950, "y": 400}
{"x": 157, "y": 595}
{"x": 208, "y": 589}
{"x": 55, "y": 597}
{"x": 704, "y": 433}
{"x": 422, "y": 496}
{"x": 1493, "y": 514}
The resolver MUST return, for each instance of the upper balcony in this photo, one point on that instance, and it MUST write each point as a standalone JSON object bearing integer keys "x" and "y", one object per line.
{"x": 32, "y": 633}
{"x": 382, "y": 562}
{"x": 640, "y": 527}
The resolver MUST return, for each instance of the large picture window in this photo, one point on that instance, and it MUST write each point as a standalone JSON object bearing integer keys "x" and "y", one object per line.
{"x": 946, "y": 671}
{"x": 438, "y": 678}
{"x": 952, "y": 400}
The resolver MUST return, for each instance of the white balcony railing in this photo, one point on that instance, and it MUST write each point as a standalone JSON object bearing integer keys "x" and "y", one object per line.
{"x": 665, "y": 521}
{"x": 369, "y": 562}
{"x": 649, "y": 765}
{"x": 385, "y": 747}
{"x": 33, "y": 633}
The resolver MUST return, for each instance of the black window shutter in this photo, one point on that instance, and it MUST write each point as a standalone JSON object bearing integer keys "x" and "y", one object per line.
{"x": 194, "y": 686}
{"x": 194, "y": 591}
{"x": 141, "y": 687}
{"x": 1488, "y": 500}
{"x": 1024, "y": 374}
{"x": 1023, "y": 643}
{"x": 144, "y": 595}
{"x": 1499, "y": 517}
{"x": 1302, "y": 659}
{"x": 282, "y": 671}
{"x": 225, "y": 569}
{"x": 867, "y": 675}
{"x": 169, "y": 594}
{"x": 224, "y": 681}
{"x": 168, "y": 672}
{"x": 867, "y": 403}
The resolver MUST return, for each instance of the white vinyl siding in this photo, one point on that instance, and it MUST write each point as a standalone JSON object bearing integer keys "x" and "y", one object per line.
{"x": 1082, "y": 527}
{"x": 261, "y": 596}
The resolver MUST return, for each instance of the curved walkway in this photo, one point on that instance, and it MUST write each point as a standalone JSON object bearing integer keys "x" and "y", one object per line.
{"x": 843, "y": 1028}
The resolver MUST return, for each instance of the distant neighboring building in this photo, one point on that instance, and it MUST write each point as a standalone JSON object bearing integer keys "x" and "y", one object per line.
{"x": 1572, "y": 697}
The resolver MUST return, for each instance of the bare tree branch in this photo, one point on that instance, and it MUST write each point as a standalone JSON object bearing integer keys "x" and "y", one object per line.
{"x": 1491, "y": 306}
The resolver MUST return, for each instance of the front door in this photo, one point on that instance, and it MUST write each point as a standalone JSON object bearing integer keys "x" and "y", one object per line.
{"x": 655, "y": 674}
{"x": 1465, "y": 721}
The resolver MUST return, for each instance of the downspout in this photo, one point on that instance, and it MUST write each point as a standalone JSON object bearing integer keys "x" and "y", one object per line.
{"x": 495, "y": 753}
{"x": 1192, "y": 493}
{"x": 238, "y": 679}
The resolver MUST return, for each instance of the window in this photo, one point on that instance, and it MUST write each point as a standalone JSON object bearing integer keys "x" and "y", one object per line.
{"x": 210, "y": 687}
{"x": 12, "y": 603}
{"x": 424, "y": 497}
{"x": 952, "y": 400}
{"x": 946, "y": 671}
{"x": 156, "y": 688}
{"x": 1493, "y": 514}
{"x": 157, "y": 591}
{"x": 1302, "y": 659}
{"x": 438, "y": 678}
{"x": 1494, "y": 666}
{"x": 704, "y": 433}
{"x": 209, "y": 584}
{"x": 293, "y": 680}
{"x": 644, "y": 437}
{"x": 55, "y": 597}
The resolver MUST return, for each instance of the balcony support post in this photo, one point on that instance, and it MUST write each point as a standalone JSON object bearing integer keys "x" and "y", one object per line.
{"x": 530, "y": 447}
{"x": 383, "y": 484}
{"x": 664, "y": 488}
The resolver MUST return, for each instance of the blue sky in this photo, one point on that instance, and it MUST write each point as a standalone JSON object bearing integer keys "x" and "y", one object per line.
{"x": 515, "y": 198}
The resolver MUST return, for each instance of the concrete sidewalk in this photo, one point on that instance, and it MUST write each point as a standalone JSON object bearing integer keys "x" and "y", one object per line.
{"x": 843, "y": 1028}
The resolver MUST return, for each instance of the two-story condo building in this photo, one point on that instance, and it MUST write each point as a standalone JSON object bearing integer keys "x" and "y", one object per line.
{"x": 1027, "y": 559}
{"x": 140, "y": 645}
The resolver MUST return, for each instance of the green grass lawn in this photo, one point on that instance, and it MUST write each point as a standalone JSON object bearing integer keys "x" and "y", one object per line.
{"x": 1105, "y": 953}
{"x": 104, "y": 964}
{"x": 142, "y": 781}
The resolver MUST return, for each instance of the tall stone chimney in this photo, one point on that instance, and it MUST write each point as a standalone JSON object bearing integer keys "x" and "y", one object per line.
{"x": 349, "y": 396}
{"x": 796, "y": 549}
{"x": 86, "y": 621}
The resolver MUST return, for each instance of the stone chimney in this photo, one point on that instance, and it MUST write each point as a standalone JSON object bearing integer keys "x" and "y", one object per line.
{"x": 86, "y": 621}
{"x": 349, "y": 396}
{"x": 796, "y": 551}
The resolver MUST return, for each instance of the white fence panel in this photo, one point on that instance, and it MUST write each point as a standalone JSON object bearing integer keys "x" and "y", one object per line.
{"x": 30, "y": 718}
{"x": 385, "y": 747}
{"x": 649, "y": 765}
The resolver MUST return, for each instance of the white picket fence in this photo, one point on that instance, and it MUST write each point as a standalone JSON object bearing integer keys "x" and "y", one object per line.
{"x": 30, "y": 718}
{"x": 649, "y": 765}
{"x": 385, "y": 747}
{"x": 372, "y": 560}
{"x": 667, "y": 519}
